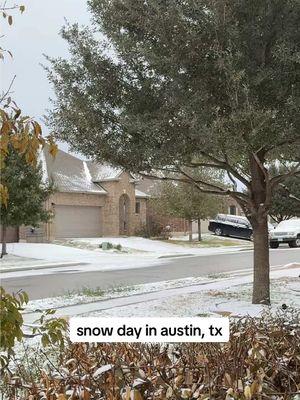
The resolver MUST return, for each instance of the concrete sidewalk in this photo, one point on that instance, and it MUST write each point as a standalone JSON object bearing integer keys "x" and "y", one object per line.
{"x": 194, "y": 286}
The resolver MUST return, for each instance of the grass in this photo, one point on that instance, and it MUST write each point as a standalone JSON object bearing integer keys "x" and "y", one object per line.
{"x": 215, "y": 242}
{"x": 98, "y": 292}
{"x": 217, "y": 276}
{"x": 87, "y": 291}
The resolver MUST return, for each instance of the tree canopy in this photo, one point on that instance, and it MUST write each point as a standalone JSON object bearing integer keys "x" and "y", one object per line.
{"x": 27, "y": 193}
{"x": 164, "y": 87}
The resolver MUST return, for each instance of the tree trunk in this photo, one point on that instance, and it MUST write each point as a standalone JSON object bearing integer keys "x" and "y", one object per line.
{"x": 261, "y": 276}
{"x": 261, "y": 195}
{"x": 199, "y": 229}
{"x": 190, "y": 230}
{"x": 3, "y": 250}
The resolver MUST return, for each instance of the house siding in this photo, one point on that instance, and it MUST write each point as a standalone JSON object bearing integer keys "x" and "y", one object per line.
{"x": 111, "y": 218}
{"x": 109, "y": 208}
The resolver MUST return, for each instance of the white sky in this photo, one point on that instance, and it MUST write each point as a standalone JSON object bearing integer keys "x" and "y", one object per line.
{"x": 31, "y": 35}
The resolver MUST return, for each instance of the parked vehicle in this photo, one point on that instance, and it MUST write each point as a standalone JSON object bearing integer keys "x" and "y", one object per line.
{"x": 286, "y": 232}
{"x": 232, "y": 225}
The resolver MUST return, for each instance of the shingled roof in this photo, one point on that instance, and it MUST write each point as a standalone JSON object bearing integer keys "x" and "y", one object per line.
{"x": 103, "y": 172}
{"x": 69, "y": 173}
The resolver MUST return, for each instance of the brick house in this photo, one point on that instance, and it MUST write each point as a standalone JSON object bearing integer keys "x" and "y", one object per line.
{"x": 179, "y": 225}
{"x": 90, "y": 200}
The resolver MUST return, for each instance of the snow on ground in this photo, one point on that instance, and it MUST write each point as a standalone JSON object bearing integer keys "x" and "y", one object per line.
{"x": 150, "y": 252}
{"x": 155, "y": 247}
{"x": 222, "y": 294}
{"x": 207, "y": 237}
{"x": 223, "y": 297}
{"x": 91, "y": 295}
{"x": 11, "y": 260}
{"x": 90, "y": 260}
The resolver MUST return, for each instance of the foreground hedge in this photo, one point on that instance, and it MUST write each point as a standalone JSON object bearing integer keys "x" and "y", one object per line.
{"x": 261, "y": 361}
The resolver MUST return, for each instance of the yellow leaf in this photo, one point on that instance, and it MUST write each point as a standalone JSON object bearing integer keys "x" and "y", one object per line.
{"x": 227, "y": 379}
{"x": 5, "y": 128}
{"x": 53, "y": 149}
{"x": 135, "y": 395}
{"x": 126, "y": 395}
{"x": 247, "y": 393}
{"x": 37, "y": 128}
{"x": 22, "y": 8}
{"x": 255, "y": 387}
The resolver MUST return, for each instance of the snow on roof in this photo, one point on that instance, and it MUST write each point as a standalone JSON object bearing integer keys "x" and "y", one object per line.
{"x": 69, "y": 173}
{"x": 149, "y": 187}
{"x": 42, "y": 160}
{"x": 103, "y": 172}
{"x": 140, "y": 194}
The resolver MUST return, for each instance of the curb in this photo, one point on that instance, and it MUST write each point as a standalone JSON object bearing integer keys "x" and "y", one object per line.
{"x": 42, "y": 266}
{"x": 176, "y": 255}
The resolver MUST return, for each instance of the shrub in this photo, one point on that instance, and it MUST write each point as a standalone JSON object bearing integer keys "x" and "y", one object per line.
{"x": 261, "y": 361}
{"x": 51, "y": 330}
{"x": 110, "y": 246}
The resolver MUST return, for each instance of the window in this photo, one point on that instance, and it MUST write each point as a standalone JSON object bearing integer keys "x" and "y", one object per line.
{"x": 232, "y": 210}
{"x": 137, "y": 207}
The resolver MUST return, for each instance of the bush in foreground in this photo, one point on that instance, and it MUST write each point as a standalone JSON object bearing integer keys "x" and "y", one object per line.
{"x": 261, "y": 361}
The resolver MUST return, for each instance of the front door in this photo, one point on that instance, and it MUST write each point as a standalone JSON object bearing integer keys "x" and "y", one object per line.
{"x": 124, "y": 209}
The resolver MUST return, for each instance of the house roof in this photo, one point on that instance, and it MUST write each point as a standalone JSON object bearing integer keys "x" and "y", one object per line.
{"x": 141, "y": 195}
{"x": 69, "y": 173}
{"x": 103, "y": 172}
{"x": 150, "y": 187}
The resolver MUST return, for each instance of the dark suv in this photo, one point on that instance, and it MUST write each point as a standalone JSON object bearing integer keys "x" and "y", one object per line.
{"x": 231, "y": 225}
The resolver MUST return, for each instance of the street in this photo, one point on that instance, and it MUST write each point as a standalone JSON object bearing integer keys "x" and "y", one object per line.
{"x": 58, "y": 281}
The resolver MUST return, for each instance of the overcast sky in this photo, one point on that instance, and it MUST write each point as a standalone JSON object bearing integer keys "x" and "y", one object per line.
{"x": 33, "y": 34}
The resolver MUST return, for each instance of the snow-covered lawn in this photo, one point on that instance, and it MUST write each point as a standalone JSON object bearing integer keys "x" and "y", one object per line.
{"x": 155, "y": 247}
{"x": 211, "y": 238}
{"x": 89, "y": 259}
{"x": 135, "y": 252}
{"x": 226, "y": 294}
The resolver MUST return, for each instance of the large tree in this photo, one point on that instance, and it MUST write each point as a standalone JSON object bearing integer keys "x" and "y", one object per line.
{"x": 181, "y": 200}
{"x": 27, "y": 194}
{"x": 163, "y": 87}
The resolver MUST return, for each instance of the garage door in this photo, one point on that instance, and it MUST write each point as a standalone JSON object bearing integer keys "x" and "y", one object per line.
{"x": 77, "y": 221}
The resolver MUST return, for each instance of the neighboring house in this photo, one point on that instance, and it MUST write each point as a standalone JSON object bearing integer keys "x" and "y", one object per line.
{"x": 90, "y": 200}
{"x": 155, "y": 220}
{"x": 177, "y": 225}
{"x": 233, "y": 207}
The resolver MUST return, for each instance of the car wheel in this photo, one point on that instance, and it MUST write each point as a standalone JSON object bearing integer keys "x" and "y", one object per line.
{"x": 218, "y": 231}
{"x": 274, "y": 245}
{"x": 295, "y": 243}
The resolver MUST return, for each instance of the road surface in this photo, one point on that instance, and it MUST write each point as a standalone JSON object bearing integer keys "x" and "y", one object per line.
{"x": 54, "y": 282}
